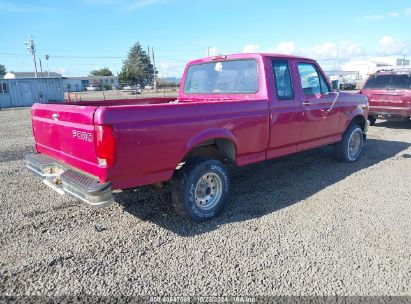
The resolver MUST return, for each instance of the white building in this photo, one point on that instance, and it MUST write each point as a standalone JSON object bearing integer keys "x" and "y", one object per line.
{"x": 20, "y": 75}
{"x": 370, "y": 66}
{"x": 78, "y": 84}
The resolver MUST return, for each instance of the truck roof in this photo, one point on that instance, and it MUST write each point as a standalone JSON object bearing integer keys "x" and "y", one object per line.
{"x": 246, "y": 55}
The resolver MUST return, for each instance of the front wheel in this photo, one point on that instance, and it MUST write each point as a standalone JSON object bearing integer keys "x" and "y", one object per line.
{"x": 200, "y": 189}
{"x": 350, "y": 146}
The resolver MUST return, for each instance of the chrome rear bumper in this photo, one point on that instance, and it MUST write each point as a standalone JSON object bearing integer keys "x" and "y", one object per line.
{"x": 68, "y": 181}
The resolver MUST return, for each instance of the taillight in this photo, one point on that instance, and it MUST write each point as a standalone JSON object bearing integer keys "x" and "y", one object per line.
{"x": 105, "y": 145}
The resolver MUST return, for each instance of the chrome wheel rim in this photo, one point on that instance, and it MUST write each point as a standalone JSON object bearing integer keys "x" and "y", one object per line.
{"x": 354, "y": 145}
{"x": 208, "y": 191}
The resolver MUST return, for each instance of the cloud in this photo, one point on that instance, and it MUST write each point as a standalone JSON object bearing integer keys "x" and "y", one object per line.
{"x": 13, "y": 7}
{"x": 407, "y": 11}
{"x": 170, "y": 68}
{"x": 324, "y": 51}
{"x": 348, "y": 50}
{"x": 394, "y": 14}
{"x": 285, "y": 47}
{"x": 373, "y": 17}
{"x": 251, "y": 48}
{"x": 329, "y": 51}
{"x": 392, "y": 46}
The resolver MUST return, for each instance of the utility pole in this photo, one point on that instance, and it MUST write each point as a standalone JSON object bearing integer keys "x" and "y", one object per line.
{"x": 41, "y": 69}
{"x": 338, "y": 59}
{"x": 208, "y": 52}
{"x": 154, "y": 67}
{"x": 48, "y": 70}
{"x": 32, "y": 49}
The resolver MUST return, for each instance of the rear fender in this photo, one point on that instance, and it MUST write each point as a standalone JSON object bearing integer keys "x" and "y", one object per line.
{"x": 208, "y": 135}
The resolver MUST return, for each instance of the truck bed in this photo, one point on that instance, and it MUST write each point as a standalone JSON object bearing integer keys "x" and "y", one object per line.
{"x": 119, "y": 102}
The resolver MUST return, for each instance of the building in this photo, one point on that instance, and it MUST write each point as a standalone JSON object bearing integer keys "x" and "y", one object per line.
{"x": 21, "y": 92}
{"x": 19, "y": 75}
{"x": 78, "y": 84}
{"x": 370, "y": 66}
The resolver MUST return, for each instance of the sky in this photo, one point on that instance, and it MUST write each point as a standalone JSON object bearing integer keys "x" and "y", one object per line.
{"x": 82, "y": 35}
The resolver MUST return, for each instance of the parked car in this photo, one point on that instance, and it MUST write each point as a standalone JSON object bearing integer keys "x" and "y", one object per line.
{"x": 135, "y": 89}
{"x": 345, "y": 82}
{"x": 239, "y": 109}
{"x": 389, "y": 94}
{"x": 92, "y": 88}
{"x": 148, "y": 87}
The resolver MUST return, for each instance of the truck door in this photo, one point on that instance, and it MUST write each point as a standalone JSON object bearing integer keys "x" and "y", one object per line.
{"x": 319, "y": 124}
{"x": 284, "y": 107}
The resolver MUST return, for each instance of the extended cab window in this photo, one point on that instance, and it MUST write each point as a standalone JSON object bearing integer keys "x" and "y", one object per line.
{"x": 221, "y": 77}
{"x": 310, "y": 82}
{"x": 283, "y": 80}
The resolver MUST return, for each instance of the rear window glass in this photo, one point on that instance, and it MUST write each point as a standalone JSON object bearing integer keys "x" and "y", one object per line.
{"x": 393, "y": 81}
{"x": 220, "y": 77}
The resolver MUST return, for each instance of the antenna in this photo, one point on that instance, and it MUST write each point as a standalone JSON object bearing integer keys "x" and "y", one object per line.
{"x": 32, "y": 49}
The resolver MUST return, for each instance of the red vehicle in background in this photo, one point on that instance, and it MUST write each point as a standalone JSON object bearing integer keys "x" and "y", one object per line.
{"x": 240, "y": 109}
{"x": 389, "y": 94}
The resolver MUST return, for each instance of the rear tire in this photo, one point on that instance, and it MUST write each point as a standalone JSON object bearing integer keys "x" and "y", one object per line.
{"x": 200, "y": 189}
{"x": 372, "y": 120}
{"x": 349, "y": 148}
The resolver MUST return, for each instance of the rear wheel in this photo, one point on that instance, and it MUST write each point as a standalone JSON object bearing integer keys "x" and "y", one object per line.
{"x": 200, "y": 189}
{"x": 350, "y": 146}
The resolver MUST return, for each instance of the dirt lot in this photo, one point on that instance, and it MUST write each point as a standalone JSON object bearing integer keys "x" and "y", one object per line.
{"x": 300, "y": 225}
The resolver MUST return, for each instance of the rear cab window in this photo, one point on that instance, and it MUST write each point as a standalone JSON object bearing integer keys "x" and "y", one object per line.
{"x": 223, "y": 77}
{"x": 389, "y": 82}
{"x": 283, "y": 80}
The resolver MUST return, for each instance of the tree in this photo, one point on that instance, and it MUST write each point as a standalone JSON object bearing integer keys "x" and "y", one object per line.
{"x": 101, "y": 72}
{"x": 137, "y": 68}
{"x": 2, "y": 71}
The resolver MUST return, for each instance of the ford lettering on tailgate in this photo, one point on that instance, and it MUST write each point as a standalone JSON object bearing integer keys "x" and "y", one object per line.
{"x": 82, "y": 135}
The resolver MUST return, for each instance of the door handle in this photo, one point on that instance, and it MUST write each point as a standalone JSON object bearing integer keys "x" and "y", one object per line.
{"x": 306, "y": 103}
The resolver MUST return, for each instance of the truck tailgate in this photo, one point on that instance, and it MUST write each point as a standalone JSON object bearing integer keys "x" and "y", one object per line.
{"x": 65, "y": 132}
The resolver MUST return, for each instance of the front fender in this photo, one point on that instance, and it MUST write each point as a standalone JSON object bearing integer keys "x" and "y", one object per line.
{"x": 357, "y": 111}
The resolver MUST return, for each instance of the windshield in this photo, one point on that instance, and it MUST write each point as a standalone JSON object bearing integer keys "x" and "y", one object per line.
{"x": 220, "y": 77}
{"x": 393, "y": 81}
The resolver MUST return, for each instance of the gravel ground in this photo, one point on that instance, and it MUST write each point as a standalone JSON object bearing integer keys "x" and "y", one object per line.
{"x": 299, "y": 225}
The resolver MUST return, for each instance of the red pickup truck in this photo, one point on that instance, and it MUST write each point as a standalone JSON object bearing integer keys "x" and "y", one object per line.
{"x": 241, "y": 109}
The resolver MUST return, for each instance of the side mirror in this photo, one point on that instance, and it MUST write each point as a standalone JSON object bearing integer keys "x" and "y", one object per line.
{"x": 335, "y": 86}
